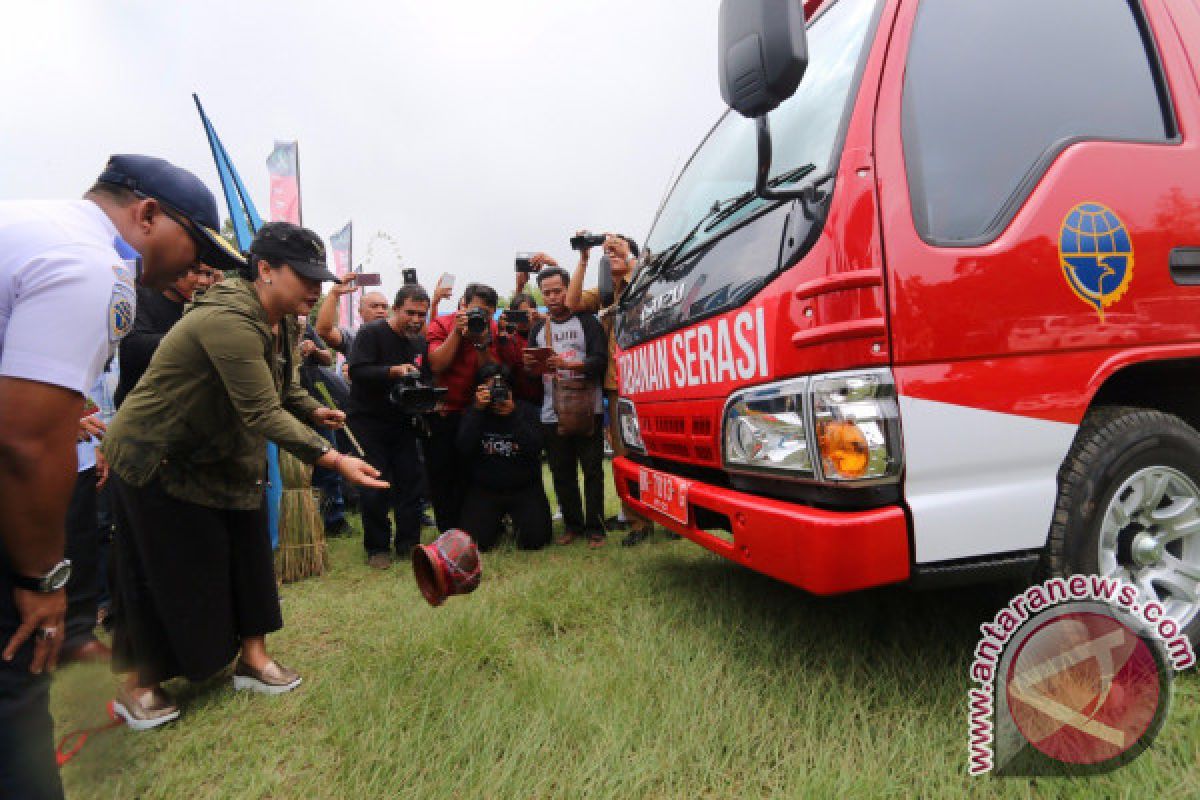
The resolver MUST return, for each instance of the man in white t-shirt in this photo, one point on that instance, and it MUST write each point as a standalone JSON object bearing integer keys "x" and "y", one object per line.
{"x": 580, "y": 351}
{"x": 67, "y": 295}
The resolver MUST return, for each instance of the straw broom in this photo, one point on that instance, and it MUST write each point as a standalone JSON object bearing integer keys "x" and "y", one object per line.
{"x": 302, "y": 552}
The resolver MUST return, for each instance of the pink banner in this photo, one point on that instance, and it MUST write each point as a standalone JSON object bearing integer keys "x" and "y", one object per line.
{"x": 341, "y": 245}
{"x": 284, "y": 167}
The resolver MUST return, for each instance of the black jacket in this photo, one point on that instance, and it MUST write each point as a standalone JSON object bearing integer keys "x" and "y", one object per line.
{"x": 502, "y": 454}
{"x": 156, "y": 314}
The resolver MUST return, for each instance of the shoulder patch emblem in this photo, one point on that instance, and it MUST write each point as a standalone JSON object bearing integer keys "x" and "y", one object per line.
{"x": 121, "y": 310}
{"x": 124, "y": 274}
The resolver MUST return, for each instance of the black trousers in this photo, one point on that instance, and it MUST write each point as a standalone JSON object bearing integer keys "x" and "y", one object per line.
{"x": 391, "y": 448}
{"x": 192, "y": 582}
{"x": 565, "y": 453}
{"x": 83, "y": 548}
{"x": 528, "y": 508}
{"x": 446, "y": 470}
{"x": 27, "y": 765}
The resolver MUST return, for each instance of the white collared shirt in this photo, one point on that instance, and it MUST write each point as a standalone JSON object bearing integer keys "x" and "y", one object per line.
{"x": 66, "y": 293}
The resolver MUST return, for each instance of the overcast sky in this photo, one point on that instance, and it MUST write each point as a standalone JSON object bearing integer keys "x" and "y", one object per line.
{"x": 465, "y": 130}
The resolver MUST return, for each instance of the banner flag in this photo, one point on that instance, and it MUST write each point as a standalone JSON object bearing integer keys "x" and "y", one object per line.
{"x": 242, "y": 212}
{"x": 284, "y": 166}
{"x": 341, "y": 243}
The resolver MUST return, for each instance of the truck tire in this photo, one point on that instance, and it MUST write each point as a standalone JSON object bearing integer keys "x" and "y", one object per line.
{"x": 1129, "y": 507}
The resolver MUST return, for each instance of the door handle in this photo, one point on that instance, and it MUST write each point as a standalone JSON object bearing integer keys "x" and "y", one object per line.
{"x": 1185, "y": 266}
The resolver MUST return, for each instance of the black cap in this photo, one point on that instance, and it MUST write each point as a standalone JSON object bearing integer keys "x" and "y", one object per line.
{"x": 299, "y": 248}
{"x": 180, "y": 192}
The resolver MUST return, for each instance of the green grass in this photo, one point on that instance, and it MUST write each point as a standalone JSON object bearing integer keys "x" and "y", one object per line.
{"x": 656, "y": 671}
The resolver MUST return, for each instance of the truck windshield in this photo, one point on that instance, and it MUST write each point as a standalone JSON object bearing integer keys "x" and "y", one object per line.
{"x": 804, "y": 130}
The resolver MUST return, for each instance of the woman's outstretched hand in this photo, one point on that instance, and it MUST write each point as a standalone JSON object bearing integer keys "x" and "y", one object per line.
{"x": 360, "y": 473}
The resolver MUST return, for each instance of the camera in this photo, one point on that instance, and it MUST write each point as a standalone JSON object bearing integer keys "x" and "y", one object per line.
{"x": 587, "y": 240}
{"x": 500, "y": 390}
{"x": 523, "y": 262}
{"x": 412, "y": 396}
{"x": 410, "y": 277}
{"x": 477, "y": 321}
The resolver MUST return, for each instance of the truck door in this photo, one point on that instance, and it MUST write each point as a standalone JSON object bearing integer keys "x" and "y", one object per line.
{"x": 1035, "y": 175}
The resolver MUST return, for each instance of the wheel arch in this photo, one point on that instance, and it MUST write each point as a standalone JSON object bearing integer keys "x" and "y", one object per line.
{"x": 1168, "y": 385}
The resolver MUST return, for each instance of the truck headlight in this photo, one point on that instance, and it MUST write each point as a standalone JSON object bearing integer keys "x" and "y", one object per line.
{"x": 838, "y": 428}
{"x": 857, "y": 424}
{"x": 627, "y": 423}
{"x": 766, "y": 429}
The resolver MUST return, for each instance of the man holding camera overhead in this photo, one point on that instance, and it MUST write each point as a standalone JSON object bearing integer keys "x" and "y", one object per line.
{"x": 620, "y": 257}
{"x": 386, "y": 353}
{"x": 459, "y": 344}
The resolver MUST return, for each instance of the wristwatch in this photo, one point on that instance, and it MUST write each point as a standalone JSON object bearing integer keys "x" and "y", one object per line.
{"x": 49, "y": 583}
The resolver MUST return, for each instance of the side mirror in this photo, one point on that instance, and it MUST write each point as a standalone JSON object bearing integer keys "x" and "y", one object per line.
{"x": 763, "y": 53}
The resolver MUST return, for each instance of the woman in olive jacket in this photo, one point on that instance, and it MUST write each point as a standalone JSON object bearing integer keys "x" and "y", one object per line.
{"x": 195, "y": 579}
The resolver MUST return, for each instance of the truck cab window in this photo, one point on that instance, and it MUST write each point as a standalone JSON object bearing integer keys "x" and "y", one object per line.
{"x": 995, "y": 90}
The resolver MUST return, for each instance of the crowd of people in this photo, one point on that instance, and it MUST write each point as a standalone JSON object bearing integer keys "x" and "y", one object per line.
{"x": 133, "y": 439}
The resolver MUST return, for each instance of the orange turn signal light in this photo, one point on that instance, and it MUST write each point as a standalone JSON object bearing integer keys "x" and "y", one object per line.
{"x": 843, "y": 447}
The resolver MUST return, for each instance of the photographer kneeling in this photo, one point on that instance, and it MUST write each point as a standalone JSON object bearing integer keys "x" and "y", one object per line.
{"x": 502, "y": 442}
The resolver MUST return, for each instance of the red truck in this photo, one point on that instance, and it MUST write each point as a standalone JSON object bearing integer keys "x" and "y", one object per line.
{"x": 925, "y": 303}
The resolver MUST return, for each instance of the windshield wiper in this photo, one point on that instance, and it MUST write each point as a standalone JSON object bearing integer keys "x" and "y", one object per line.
{"x": 672, "y": 253}
{"x": 721, "y": 211}
{"x": 791, "y": 176}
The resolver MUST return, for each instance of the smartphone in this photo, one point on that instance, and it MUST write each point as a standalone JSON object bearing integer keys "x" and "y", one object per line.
{"x": 523, "y": 262}
{"x": 516, "y": 316}
{"x": 367, "y": 279}
{"x": 446, "y": 281}
{"x": 410, "y": 276}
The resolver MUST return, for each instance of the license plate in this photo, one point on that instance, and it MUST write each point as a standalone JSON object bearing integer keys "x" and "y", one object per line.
{"x": 665, "y": 494}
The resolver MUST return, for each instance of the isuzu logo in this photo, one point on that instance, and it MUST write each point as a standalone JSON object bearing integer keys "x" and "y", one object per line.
{"x": 662, "y": 302}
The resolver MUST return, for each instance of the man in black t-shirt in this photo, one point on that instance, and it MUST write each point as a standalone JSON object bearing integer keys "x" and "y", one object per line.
{"x": 385, "y": 351}
{"x": 157, "y": 313}
{"x": 500, "y": 441}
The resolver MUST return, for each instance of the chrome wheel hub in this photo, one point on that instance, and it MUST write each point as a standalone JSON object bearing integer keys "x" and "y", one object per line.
{"x": 1150, "y": 537}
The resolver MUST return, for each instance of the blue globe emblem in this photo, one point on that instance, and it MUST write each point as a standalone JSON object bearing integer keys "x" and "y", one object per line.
{"x": 122, "y": 317}
{"x": 1096, "y": 255}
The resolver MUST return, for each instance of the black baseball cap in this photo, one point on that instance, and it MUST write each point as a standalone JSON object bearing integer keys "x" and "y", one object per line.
{"x": 299, "y": 248}
{"x": 184, "y": 198}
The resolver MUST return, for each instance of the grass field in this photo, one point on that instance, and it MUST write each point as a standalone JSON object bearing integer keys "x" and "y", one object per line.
{"x": 656, "y": 671}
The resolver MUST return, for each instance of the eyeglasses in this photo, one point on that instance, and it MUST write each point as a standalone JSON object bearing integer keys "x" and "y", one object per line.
{"x": 204, "y": 251}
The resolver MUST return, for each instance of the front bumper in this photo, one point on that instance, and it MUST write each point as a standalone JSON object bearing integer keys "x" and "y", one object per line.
{"x": 824, "y": 552}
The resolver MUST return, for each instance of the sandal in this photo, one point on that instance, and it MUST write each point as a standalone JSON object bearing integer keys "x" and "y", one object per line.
{"x": 567, "y": 538}
{"x": 596, "y": 541}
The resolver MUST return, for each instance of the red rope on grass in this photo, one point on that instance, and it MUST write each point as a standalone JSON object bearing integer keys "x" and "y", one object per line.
{"x": 79, "y": 738}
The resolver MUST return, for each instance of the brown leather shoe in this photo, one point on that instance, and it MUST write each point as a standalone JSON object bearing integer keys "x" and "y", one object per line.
{"x": 92, "y": 651}
{"x": 380, "y": 561}
{"x": 154, "y": 709}
{"x": 271, "y": 679}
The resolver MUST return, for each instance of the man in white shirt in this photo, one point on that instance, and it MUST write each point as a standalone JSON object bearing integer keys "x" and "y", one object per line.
{"x": 67, "y": 296}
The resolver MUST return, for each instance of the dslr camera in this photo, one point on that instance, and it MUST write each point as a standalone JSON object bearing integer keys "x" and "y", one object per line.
{"x": 500, "y": 390}
{"x": 477, "y": 322}
{"x": 412, "y": 396}
{"x": 587, "y": 241}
